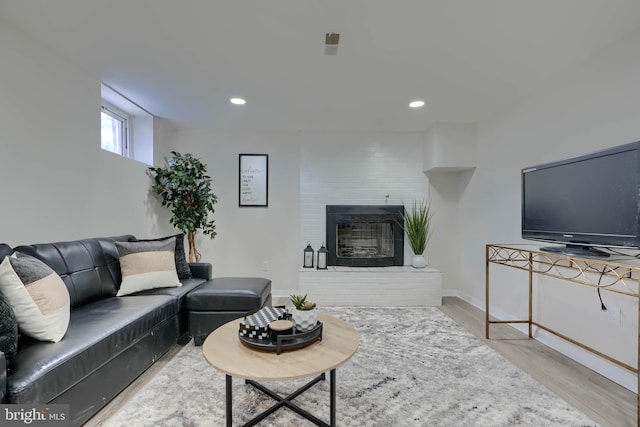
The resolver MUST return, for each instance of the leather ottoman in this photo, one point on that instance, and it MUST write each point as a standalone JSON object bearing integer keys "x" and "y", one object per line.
{"x": 223, "y": 299}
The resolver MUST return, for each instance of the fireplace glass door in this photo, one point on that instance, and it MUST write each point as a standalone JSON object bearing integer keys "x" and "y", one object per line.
{"x": 361, "y": 236}
{"x": 364, "y": 239}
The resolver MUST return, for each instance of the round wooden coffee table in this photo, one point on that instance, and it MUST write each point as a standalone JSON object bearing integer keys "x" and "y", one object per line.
{"x": 224, "y": 351}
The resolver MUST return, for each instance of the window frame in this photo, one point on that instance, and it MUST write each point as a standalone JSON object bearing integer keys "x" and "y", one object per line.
{"x": 127, "y": 127}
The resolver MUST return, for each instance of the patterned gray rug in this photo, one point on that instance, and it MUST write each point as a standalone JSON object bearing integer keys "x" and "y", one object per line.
{"x": 414, "y": 367}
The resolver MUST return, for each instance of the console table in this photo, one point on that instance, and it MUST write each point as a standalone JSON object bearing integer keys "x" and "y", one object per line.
{"x": 608, "y": 275}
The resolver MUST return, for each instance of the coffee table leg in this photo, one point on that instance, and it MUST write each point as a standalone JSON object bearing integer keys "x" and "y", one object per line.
{"x": 332, "y": 398}
{"x": 229, "y": 402}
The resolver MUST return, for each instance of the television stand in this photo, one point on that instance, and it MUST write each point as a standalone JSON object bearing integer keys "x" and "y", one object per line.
{"x": 577, "y": 251}
{"x": 620, "y": 277}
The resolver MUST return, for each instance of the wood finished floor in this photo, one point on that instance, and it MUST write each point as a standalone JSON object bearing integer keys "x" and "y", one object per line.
{"x": 607, "y": 403}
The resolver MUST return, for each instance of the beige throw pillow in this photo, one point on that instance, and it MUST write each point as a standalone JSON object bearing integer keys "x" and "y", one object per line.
{"x": 37, "y": 295}
{"x": 147, "y": 265}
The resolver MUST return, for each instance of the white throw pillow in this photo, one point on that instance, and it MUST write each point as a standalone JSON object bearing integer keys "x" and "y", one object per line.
{"x": 147, "y": 265}
{"x": 37, "y": 295}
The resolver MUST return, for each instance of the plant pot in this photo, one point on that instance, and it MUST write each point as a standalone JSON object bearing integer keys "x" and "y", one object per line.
{"x": 418, "y": 261}
{"x": 304, "y": 319}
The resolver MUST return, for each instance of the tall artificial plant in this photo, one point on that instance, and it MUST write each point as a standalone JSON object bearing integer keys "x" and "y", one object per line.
{"x": 417, "y": 225}
{"x": 185, "y": 188}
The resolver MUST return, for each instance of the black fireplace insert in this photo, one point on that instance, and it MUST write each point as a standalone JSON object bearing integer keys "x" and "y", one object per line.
{"x": 365, "y": 235}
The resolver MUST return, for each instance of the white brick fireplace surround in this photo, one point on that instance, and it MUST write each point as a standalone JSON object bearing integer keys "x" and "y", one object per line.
{"x": 355, "y": 168}
{"x": 373, "y": 286}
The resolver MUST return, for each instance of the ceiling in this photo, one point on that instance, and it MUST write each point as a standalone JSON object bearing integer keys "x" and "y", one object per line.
{"x": 183, "y": 60}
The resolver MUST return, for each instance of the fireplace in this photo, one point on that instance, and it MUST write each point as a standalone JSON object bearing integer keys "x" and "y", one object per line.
{"x": 365, "y": 235}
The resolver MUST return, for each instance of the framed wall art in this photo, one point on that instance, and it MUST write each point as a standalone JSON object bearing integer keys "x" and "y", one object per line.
{"x": 253, "y": 180}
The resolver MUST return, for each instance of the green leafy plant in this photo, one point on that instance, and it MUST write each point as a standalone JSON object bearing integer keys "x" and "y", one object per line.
{"x": 185, "y": 189}
{"x": 417, "y": 225}
{"x": 300, "y": 302}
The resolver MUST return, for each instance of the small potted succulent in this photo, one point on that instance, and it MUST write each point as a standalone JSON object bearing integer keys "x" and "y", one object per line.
{"x": 304, "y": 312}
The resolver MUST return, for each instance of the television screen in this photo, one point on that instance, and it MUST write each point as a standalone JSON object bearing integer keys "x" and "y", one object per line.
{"x": 583, "y": 202}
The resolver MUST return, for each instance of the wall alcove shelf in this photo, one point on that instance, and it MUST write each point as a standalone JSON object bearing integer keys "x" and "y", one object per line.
{"x": 616, "y": 276}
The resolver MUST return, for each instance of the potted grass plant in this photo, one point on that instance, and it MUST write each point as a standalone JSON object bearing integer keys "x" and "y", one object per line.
{"x": 417, "y": 227}
{"x": 185, "y": 188}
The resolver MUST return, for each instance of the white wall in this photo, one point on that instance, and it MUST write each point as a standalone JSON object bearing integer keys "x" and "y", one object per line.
{"x": 250, "y": 236}
{"x": 55, "y": 181}
{"x": 449, "y": 160}
{"x": 307, "y": 170}
{"x": 445, "y": 191}
{"x": 593, "y": 106}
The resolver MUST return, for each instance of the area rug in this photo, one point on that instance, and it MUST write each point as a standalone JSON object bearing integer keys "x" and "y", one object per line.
{"x": 414, "y": 367}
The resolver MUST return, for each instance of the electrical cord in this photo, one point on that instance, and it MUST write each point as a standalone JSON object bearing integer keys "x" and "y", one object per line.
{"x": 602, "y": 306}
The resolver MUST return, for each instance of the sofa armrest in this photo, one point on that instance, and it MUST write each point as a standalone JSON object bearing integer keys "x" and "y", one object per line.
{"x": 201, "y": 270}
{"x": 3, "y": 378}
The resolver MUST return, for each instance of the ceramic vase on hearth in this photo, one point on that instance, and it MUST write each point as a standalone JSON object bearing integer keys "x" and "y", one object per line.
{"x": 305, "y": 320}
{"x": 418, "y": 261}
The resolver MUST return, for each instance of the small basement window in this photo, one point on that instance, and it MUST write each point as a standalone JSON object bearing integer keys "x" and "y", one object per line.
{"x": 126, "y": 129}
{"x": 114, "y": 129}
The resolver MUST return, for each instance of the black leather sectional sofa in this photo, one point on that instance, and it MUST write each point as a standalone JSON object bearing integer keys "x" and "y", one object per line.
{"x": 110, "y": 340}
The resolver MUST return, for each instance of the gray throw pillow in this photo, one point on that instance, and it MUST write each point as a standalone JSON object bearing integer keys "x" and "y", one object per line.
{"x": 147, "y": 265}
{"x": 182, "y": 266}
{"x": 8, "y": 331}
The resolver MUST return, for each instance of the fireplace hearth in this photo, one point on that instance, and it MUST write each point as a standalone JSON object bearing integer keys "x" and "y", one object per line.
{"x": 365, "y": 235}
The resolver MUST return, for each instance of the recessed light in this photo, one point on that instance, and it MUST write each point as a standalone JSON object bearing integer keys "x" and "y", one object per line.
{"x": 237, "y": 101}
{"x": 416, "y": 104}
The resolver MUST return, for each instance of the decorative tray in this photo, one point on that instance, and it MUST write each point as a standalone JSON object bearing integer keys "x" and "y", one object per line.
{"x": 280, "y": 343}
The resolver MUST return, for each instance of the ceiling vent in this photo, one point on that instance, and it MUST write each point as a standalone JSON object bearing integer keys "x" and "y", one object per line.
{"x": 331, "y": 41}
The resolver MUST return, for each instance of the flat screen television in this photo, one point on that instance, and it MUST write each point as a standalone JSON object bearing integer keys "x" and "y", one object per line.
{"x": 584, "y": 203}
